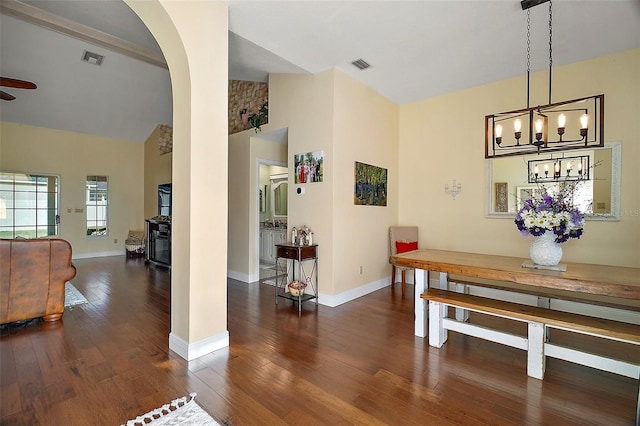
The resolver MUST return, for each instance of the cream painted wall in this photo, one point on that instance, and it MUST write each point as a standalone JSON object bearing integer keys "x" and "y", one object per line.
{"x": 333, "y": 113}
{"x": 304, "y": 104}
{"x": 366, "y": 130}
{"x": 239, "y": 215}
{"x": 74, "y": 156}
{"x": 157, "y": 170}
{"x": 442, "y": 139}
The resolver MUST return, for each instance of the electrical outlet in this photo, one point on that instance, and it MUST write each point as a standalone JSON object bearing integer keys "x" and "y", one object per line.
{"x": 115, "y": 241}
{"x": 361, "y": 269}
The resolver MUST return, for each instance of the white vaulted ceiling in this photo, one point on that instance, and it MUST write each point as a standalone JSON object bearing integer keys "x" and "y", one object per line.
{"x": 417, "y": 50}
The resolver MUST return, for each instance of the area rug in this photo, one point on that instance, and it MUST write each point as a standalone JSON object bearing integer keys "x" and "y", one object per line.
{"x": 72, "y": 296}
{"x": 269, "y": 281}
{"x": 178, "y": 412}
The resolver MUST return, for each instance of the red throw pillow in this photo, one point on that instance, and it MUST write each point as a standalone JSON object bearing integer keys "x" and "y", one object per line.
{"x": 402, "y": 247}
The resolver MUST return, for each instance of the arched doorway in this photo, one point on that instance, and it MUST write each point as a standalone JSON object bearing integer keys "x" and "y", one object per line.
{"x": 196, "y": 52}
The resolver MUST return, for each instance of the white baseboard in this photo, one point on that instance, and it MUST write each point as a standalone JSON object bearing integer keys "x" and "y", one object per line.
{"x": 245, "y": 278}
{"x": 191, "y": 351}
{"x": 98, "y": 254}
{"x": 349, "y": 295}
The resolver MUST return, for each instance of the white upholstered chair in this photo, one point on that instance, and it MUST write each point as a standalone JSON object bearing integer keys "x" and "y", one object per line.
{"x": 401, "y": 239}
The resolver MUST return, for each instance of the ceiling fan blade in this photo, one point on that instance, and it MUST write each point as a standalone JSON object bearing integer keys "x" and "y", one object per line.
{"x": 18, "y": 84}
{"x": 6, "y": 97}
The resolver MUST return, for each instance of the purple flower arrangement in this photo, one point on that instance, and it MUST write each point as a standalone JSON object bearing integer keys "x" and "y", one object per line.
{"x": 551, "y": 213}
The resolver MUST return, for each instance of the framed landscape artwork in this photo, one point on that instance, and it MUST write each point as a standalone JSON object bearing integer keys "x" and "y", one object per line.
{"x": 370, "y": 187}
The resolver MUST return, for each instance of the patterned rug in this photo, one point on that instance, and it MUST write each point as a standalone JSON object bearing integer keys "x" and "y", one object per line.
{"x": 72, "y": 296}
{"x": 178, "y": 412}
{"x": 271, "y": 281}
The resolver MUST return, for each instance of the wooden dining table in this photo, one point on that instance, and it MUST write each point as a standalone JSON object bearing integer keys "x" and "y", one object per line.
{"x": 619, "y": 282}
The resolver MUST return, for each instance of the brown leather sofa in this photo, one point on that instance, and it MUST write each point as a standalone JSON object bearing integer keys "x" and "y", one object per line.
{"x": 33, "y": 273}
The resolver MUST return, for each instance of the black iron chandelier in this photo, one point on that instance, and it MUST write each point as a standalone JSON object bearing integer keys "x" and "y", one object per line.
{"x": 531, "y": 130}
{"x": 560, "y": 169}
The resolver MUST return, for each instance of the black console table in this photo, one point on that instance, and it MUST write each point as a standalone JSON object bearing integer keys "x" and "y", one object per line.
{"x": 304, "y": 261}
{"x": 158, "y": 242}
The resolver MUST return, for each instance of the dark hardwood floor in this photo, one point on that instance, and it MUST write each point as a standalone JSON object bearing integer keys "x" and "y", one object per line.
{"x": 108, "y": 361}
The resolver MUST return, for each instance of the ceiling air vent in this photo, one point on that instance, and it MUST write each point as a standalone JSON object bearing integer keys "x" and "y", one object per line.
{"x": 361, "y": 64}
{"x": 92, "y": 58}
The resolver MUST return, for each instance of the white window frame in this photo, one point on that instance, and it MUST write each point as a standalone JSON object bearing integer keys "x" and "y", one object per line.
{"x": 96, "y": 207}
{"x": 15, "y": 199}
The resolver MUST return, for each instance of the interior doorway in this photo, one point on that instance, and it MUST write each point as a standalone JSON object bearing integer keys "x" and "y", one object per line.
{"x": 272, "y": 214}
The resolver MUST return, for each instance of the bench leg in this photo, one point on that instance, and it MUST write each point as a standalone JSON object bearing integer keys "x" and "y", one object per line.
{"x": 443, "y": 281}
{"x": 462, "y": 315}
{"x": 536, "y": 360}
{"x": 420, "y": 305}
{"x": 437, "y": 332}
{"x": 545, "y": 302}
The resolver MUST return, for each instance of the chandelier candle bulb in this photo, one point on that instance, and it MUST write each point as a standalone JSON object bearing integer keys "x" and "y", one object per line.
{"x": 538, "y": 141}
{"x": 517, "y": 127}
{"x": 562, "y": 120}
{"x": 538, "y": 126}
{"x": 498, "y": 134}
{"x": 584, "y": 121}
{"x": 584, "y": 125}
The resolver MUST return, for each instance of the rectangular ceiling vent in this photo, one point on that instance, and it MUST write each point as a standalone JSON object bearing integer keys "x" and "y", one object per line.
{"x": 361, "y": 64}
{"x": 92, "y": 58}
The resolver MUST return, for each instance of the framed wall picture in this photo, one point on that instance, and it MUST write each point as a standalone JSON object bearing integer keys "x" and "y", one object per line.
{"x": 501, "y": 196}
{"x": 309, "y": 167}
{"x": 370, "y": 187}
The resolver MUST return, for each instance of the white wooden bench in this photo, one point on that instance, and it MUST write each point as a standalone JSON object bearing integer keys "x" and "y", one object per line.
{"x": 538, "y": 320}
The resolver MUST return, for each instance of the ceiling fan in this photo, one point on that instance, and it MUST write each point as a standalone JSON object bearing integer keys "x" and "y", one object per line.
{"x": 12, "y": 82}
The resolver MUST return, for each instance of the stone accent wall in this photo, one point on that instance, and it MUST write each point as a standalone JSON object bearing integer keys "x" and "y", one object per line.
{"x": 165, "y": 139}
{"x": 249, "y": 95}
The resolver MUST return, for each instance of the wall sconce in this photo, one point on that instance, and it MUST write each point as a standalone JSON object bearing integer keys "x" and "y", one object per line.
{"x": 455, "y": 188}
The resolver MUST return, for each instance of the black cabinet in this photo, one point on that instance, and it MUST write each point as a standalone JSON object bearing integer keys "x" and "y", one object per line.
{"x": 159, "y": 242}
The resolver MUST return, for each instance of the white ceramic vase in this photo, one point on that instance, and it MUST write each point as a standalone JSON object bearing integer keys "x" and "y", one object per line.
{"x": 544, "y": 250}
